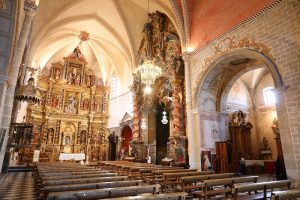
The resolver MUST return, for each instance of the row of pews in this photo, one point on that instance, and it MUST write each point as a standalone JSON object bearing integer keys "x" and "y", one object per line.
{"x": 128, "y": 180}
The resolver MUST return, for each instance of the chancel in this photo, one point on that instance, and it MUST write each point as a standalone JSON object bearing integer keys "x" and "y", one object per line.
{"x": 149, "y": 99}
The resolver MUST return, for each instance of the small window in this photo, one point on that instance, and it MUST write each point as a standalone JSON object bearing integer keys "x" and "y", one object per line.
{"x": 115, "y": 86}
{"x": 269, "y": 96}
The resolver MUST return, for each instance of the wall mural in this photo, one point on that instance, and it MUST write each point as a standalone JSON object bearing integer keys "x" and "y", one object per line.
{"x": 214, "y": 129}
{"x": 73, "y": 112}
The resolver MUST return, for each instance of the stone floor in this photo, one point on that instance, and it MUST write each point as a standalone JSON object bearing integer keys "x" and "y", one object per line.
{"x": 17, "y": 186}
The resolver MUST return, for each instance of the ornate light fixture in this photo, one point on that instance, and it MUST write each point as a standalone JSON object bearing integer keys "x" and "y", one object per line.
{"x": 164, "y": 118}
{"x": 143, "y": 124}
{"x": 28, "y": 92}
{"x": 148, "y": 71}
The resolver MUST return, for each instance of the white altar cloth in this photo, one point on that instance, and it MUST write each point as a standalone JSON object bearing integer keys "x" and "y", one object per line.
{"x": 256, "y": 162}
{"x": 72, "y": 156}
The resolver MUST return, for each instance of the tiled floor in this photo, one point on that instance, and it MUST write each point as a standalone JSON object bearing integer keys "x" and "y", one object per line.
{"x": 17, "y": 186}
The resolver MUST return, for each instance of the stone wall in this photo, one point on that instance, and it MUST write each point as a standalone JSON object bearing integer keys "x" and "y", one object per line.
{"x": 274, "y": 33}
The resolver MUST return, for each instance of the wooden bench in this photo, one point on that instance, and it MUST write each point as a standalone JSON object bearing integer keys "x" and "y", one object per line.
{"x": 49, "y": 178}
{"x": 173, "y": 179}
{"x": 72, "y": 173}
{"x": 104, "y": 193}
{"x": 165, "y": 196}
{"x": 265, "y": 186}
{"x": 84, "y": 180}
{"x": 157, "y": 175}
{"x": 284, "y": 195}
{"x": 87, "y": 186}
{"x": 226, "y": 185}
{"x": 189, "y": 183}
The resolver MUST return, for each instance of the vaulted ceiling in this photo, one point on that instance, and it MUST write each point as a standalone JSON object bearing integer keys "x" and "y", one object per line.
{"x": 114, "y": 27}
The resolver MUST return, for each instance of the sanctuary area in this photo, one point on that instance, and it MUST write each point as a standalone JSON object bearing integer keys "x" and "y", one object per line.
{"x": 149, "y": 99}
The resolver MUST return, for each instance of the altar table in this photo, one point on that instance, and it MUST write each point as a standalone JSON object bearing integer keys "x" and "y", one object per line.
{"x": 72, "y": 156}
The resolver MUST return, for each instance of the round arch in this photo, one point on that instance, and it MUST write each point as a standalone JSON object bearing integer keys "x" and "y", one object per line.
{"x": 216, "y": 68}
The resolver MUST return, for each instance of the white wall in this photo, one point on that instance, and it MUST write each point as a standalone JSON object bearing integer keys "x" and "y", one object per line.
{"x": 118, "y": 106}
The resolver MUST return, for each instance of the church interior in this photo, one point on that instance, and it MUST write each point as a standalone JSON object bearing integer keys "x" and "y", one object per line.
{"x": 149, "y": 99}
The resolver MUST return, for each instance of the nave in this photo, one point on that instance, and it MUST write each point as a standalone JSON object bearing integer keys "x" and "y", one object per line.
{"x": 127, "y": 180}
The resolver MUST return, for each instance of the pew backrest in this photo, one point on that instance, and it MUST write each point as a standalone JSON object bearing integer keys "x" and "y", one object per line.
{"x": 284, "y": 195}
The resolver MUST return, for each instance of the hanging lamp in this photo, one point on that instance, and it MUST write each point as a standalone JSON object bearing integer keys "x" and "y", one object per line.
{"x": 148, "y": 71}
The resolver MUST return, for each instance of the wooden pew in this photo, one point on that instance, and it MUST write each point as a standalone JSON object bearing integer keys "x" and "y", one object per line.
{"x": 104, "y": 193}
{"x": 72, "y": 173}
{"x": 157, "y": 175}
{"x": 265, "y": 186}
{"x": 165, "y": 196}
{"x": 189, "y": 183}
{"x": 85, "y": 180}
{"x": 285, "y": 195}
{"x": 172, "y": 179}
{"x": 87, "y": 186}
{"x": 49, "y": 178}
{"x": 226, "y": 183}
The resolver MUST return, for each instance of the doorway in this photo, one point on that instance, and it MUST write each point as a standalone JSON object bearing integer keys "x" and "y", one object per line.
{"x": 126, "y": 135}
{"x": 162, "y": 134}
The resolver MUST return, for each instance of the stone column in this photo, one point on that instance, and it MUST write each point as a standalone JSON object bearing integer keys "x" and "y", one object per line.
{"x": 136, "y": 112}
{"x": 29, "y": 7}
{"x": 176, "y": 115}
{"x": 177, "y": 140}
{"x": 286, "y": 135}
{"x": 188, "y": 98}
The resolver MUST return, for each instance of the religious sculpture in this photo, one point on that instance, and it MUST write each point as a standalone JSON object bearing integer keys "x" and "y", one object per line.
{"x": 72, "y": 104}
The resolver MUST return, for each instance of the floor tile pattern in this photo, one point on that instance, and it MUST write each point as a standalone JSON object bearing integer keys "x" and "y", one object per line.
{"x": 17, "y": 186}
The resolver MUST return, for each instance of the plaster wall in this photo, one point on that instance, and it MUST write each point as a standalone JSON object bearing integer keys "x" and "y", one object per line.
{"x": 118, "y": 106}
{"x": 265, "y": 114}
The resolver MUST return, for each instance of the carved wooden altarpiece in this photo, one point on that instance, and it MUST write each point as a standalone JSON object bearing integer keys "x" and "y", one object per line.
{"x": 161, "y": 43}
{"x": 72, "y": 114}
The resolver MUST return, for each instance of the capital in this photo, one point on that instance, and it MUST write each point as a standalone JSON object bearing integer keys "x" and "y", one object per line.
{"x": 186, "y": 56}
{"x": 30, "y": 6}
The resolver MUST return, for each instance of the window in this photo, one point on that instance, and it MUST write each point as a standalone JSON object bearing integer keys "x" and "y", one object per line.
{"x": 269, "y": 96}
{"x": 115, "y": 86}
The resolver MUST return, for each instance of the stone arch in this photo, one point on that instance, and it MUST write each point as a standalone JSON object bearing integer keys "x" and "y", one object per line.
{"x": 215, "y": 68}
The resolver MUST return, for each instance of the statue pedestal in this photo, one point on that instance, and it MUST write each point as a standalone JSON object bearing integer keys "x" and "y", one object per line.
{"x": 177, "y": 150}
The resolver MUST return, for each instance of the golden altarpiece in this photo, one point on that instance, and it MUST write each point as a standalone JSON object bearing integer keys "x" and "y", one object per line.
{"x": 72, "y": 114}
{"x": 161, "y": 44}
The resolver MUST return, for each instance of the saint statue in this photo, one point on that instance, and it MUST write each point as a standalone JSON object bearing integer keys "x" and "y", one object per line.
{"x": 57, "y": 74}
{"x": 77, "y": 81}
{"x": 72, "y": 101}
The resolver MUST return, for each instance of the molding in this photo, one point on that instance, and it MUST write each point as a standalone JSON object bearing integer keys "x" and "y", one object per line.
{"x": 241, "y": 24}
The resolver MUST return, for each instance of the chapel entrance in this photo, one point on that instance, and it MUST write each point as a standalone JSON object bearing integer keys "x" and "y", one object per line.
{"x": 238, "y": 119}
{"x": 126, "y": 135}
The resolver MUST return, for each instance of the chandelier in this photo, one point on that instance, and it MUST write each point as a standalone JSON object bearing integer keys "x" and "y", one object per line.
{"x": 143, "y": 124}
{"x": 149, "y": 72}
{"x": 164, "y": 118}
